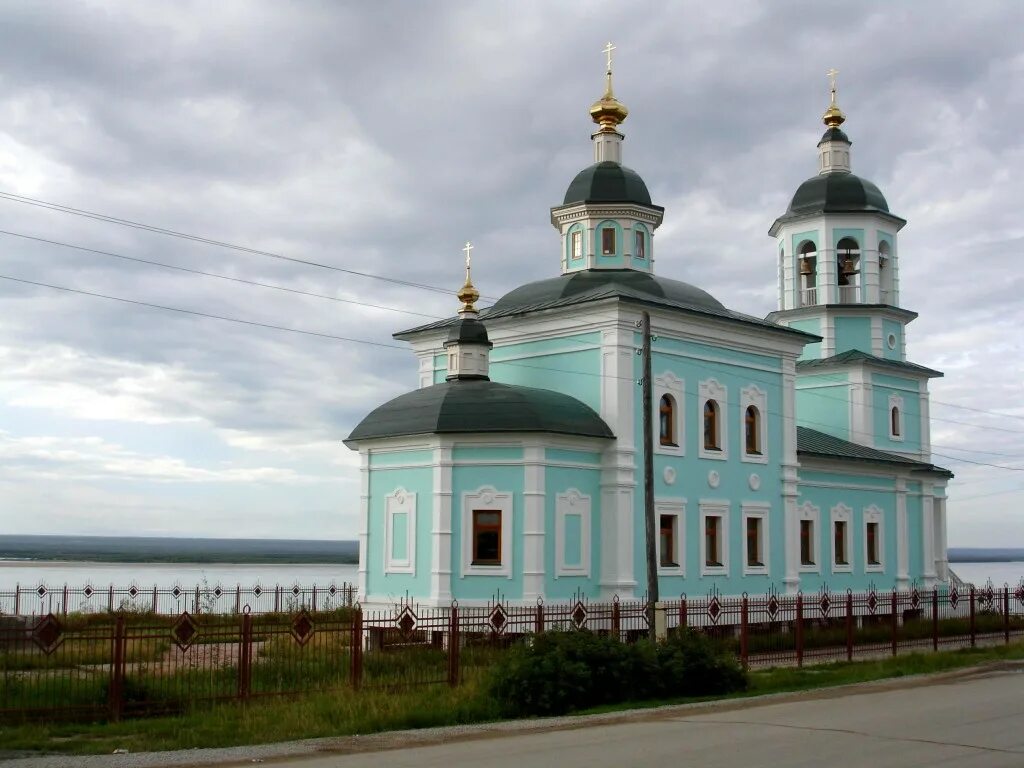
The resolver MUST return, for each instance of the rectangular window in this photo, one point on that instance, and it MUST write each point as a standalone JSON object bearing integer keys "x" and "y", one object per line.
{"x": 608, "y": 241}
{"x": 639, "y": 250}
{"x": 755, "y": 542}
{"x": 872, "y": 544}
{"x": 486, "y": 537}
{"x": 839, "y": 547}
{"x": 806, "y": 542}
{"x": 577, "y": 244}
{"x": 713, "y": 541}
{"x": 667, "y": 541}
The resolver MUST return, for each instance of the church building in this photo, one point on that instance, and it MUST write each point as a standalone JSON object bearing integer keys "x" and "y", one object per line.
{"x": 791, "y": 453}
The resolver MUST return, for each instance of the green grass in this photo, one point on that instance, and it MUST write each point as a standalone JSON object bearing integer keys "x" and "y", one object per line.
{"x": 345, "y": 712}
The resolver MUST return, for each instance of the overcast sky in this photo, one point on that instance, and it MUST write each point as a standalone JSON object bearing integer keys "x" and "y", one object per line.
{"x": 378, "y": 137}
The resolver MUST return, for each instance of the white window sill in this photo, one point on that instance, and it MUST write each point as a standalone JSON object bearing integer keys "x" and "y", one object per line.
{"x": 671, "y": 570}
{"x": 714, "y": 570}
{"x": 714, "y": 455}
{"x": 754, "y": 458}
{"x": 669, "y": 450}
{"x": 809, "y": 568}
{"x": 875, "y": 568}
{"x": 842, "y": 568}
{"x": 571, "y": 572}
{"x": 399, "y": 568}
{"x": 487, "y": 570}
{"x": 755, "y": 570}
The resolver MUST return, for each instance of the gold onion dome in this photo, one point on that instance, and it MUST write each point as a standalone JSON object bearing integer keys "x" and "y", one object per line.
{"x": 608, "y": 111}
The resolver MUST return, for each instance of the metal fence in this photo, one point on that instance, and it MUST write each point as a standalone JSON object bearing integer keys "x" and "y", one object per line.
{"x": 43, "y": 599}
{"x": 123, "y": 664}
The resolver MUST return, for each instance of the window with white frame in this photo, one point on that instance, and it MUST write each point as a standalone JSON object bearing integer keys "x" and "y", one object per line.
{"x": 487, "y": 533}
{"x": 576, "y": 240}
{"x": 714, "y": 547}
{"x": 713, "y": 404}
{"x": 639, "y": 244}
{"x": 807, "y": 516}
{"x": 608, "y": 241}
{"x": 895, "y": 417}
{"x": 670, "y": 514}
{"x": 842, "y": 539}
{"x": 668, "y": 400}
{"x": 874, "y": 543}
{"x": 400, "y": 532}
{"x": 754, "y": 411}
{"x": 572, "y": 534}
{"x": 755, "y": 532}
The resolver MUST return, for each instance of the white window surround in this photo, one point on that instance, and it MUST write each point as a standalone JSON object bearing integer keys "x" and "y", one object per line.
{"x": 757, "y": 397}
{"x": 669, "y": 384}
{"x": 808, "y": 511}
{"x": 400, "y": 502}
{"x": 676, "y": 507}
{"x": 841, "y": 513}
{"x": 873, "y": 514}
{"x": 486, "y": 497}
{"x": 572, "y": 503}
{"x": 895, "y": 401}
{"x": 756, "y": 509}
{"x": 710, "y": 508}
{"x": 710, "y": 389}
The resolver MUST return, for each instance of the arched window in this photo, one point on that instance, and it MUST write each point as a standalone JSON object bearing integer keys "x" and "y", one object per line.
{"x": 711, "y": 427}
{"x": 808, "y": 265}
{"x": 847, "y": 269}
{"x": 608, "y": 241}
{"x": 752, "y": 430}
{"x": 667, "y": 420}
{"x": 639, "y": 244}
{"x": 894, "y": 417}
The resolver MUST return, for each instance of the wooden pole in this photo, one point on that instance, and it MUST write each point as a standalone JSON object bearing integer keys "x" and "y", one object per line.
{"x": 648, "y": 453}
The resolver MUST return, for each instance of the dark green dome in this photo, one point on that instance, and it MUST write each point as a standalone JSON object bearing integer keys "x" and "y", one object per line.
{"x": 606, "y": 282}
{"x": 836, "y": 192}
{"x": 478, "y": 406}
{"x": 834, "y": 134}
{"x": 468, "y": 330}
{"x": 607, "y": 182}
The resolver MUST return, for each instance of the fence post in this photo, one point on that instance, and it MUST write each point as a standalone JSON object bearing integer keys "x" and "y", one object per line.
{"x": 616, "y": 621}
{"x": 744, "y": 607}
{"x": 314, "y": 598}
{"x": 238, "y": 598}
{"x": 539, "y": 621}
{"x": 115, "y": 695}
{"x": 277, "y": 599}
{"x": 895, "y": 622}
{"x": 935, "y": 619}
{"x": 195, "y": 607}
{"x": 799, "y": 630}
{"x": 1006, "y": 614}
{"x": 849, "y": 626}
{"x": 974, "y": 629}
{"x": 356, "y": 644}
{"x": 154, "y": 599}
{"x": 110, "y": 599}
{"x": 17, "y": 599}
{"x": 64, "y": 602}
{"x": 453, "y": 646}
{"x": 245, "y": 657}
{"x": 682, "y": 613}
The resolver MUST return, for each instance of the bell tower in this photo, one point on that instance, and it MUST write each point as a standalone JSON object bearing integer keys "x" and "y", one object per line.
{"x": 838, "y": 268}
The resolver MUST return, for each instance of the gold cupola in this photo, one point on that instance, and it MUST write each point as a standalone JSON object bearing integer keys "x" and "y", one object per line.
{"x": 608, "y": 112}
{"x": 833, "y": 116}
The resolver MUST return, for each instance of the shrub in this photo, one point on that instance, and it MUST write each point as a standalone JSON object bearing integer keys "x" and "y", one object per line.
{"x": 692, "y": 664}
{"x": 558, "y": 672}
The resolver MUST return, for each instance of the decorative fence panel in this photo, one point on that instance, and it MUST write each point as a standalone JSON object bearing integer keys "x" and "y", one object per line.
{"x": 60, "y": 601}
{"x": 123, "y": 664}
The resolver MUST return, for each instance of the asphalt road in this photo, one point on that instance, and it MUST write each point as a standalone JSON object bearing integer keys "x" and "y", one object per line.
{"x": 968, "y": 723}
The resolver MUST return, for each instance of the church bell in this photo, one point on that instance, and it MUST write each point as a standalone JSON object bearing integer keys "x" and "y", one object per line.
{"x": 805, "y": 266}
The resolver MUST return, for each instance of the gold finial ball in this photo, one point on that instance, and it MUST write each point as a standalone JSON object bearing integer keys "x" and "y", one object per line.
{"x": 608, "y": 112}
{"x": 833, "y": 116}
{"x": 468, "y": 295}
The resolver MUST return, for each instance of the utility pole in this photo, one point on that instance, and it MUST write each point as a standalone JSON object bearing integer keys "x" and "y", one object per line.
{"x": 648, "y": 454}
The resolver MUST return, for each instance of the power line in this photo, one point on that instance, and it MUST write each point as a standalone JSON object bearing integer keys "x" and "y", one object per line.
{"x": 208, "y": 241}
{"x": 214, "y": 274}
{"x": 979, "y": 463}
{"x": 201, "y": 314}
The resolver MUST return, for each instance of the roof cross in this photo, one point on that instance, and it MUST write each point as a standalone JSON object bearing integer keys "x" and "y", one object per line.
{"x": 832, "y": 82}
{"x": 608, "y": 52}
{"x": 468, "y": 250}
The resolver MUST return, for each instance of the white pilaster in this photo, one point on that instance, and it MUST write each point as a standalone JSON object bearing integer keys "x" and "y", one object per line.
{"x": 862, "y": 425}
{"x": 364, "y": 519}
{"x": 902, "y": 536}
{"x": 790, "y": 476}
{"x": 876, "y": 334}
{"x": 926, "y": 423}
{"x": 927, "y": 535}
{"x": 828, "y": 332}
{"x": 827, "y": 278}
{"x": 426, "y": 369}
{"x": 618, "y": 474}
{"x": 533, "y": 523}
{"x": 441, "y": 528}
{"x": 941, "y": 556}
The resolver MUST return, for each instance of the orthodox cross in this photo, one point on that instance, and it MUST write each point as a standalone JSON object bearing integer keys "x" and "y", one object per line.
{"x": 832, "y": 82}
{"x": 608, "y": 52}
{"x": 468, "y": 250}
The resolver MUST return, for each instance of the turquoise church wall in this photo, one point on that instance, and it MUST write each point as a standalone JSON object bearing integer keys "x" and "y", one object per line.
{"x": 896, "y": 329}
{"x": 822, "y": 403}
{"x": 383, "y": 482}
{"x": 883, "y": 387}
{"x": 853, "y": 333}
{"x": 504, "y": 479}
{"x": 563, "y": 365}
{"x": 559, "y": 480}
{"x": 694, "y": 363}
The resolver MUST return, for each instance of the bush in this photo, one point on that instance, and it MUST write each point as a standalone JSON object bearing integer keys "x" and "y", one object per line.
{"x": 558, "y": 672}
{"x": 692, "y": 664}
